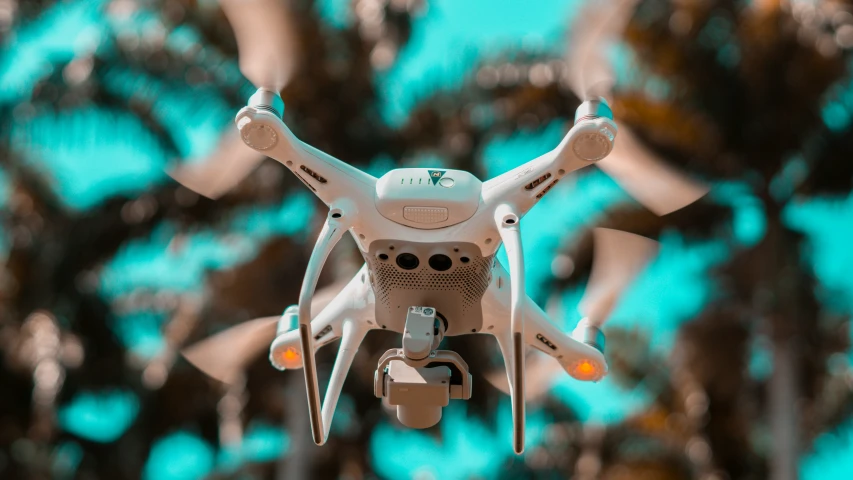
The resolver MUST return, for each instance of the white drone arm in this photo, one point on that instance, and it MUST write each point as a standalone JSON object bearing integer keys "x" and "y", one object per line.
{"x": 329, "y": 178}
{"x": 523, "y": 186}
{"x": 339, "y": 220}
{"x": 507, "y": 223}
{"x": 580, "y": 360}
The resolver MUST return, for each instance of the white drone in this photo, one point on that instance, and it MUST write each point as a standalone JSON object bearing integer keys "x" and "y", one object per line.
{"x": 429, "y": 238}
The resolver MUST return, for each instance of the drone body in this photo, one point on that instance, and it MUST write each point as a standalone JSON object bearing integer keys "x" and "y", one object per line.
{"x": 429, "y": 238}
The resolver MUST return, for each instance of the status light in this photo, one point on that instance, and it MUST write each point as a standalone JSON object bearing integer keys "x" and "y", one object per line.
{"x": 585, "y": 370}
{"x": 290, "y": 358}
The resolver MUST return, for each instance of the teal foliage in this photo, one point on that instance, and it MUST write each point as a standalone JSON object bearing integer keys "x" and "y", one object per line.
{"x": 141, "y": 332}
{"x": 444, "y": 45}
{"x": 674, "y": 288}
{"x": 194, "y": 117}
{"x": 468, "y": 447}
{"x": 4, "y": 188}
{"x": 99, "y": 416}
{"x": 760, "y": 358}
{"x": 162, "y": 262}
{"x": 749, "y": 222}
{"x": 335, "y": 13}
{"x": 827, "y": 224}
{"x": 605, "y": 402}
{"x": 346, "y": 422}
{"x": 793, "y": 173}
{"x": 836, "y": 116}
{"x": 288, "y": 219}
{"x": 63, "y": 32}
{"x": 831, "y": 457}
{"x": 179, "y": 456}
{"x": 66, "y": 460}
{"x": 91, "y": 153}
{"x": 168, "y": 260}
{"x": 262, "y": 442}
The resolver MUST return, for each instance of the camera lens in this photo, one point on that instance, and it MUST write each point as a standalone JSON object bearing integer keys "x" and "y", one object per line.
{"x": 440, "y": 262}
{"x": 407, "y": 261}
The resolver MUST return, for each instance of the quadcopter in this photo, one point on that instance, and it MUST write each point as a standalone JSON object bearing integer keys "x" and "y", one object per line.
{"x": 429, "y": 238}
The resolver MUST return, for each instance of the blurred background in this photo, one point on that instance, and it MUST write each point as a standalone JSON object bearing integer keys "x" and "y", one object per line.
{"x": 730, "y": 354}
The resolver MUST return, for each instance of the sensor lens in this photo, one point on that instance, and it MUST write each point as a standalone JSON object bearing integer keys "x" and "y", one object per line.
{"x": 407, "y": 261}
{"x": 440, "y": 262}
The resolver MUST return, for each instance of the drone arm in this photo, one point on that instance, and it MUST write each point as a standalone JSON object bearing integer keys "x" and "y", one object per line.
{"x": 580, "y": 360}
{"x": 338, "y": 221}
{"x": 572, "y": 354}
{"x": 523, "y": 186}
{"x": 507, "y": 223}
{"x": 329, "y": 178}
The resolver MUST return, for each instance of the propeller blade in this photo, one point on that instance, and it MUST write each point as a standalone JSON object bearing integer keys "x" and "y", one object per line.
{"x": 658, "y": 186}
{"x": 224, "y": 355}
{"x": 225, "y": 168}
{"x": 617, "y": 259}
{"x": 662, "y": 189}
{"x": 539, "y": 375}
{"x": 598, "y": 25}
{"x": 266, "y": 42}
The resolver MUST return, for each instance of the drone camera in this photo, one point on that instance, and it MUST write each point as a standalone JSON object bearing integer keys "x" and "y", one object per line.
{"x": 418, "y": 393}
{"x": 418, "y": 379}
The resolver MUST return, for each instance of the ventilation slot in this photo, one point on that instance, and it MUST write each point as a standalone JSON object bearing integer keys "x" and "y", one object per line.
{"x": 535, "y": 183}
{"x": 314, "y": 174}
{"x": 323, "y": 332}
{"x": 544, "y": 340}
{"x": 543, "y": 192}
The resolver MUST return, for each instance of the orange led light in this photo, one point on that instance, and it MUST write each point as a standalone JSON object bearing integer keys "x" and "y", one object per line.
{"x": 585, "y": 370}
{"x": 290, "y": 354}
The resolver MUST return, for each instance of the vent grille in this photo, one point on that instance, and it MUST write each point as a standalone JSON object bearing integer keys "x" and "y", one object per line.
{"x": 535, "y": 183}
{"x": 470, "y": 280}
{"x": 543, "y": 192}
{"x": 313, "y": 174}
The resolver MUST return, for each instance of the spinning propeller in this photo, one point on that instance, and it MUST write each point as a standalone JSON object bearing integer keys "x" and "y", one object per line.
{"x": 618, "y": 257}
{"x": 224, "y": 355}
{"x": 267, "y": 48}
{"x": 659, "y": 187}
